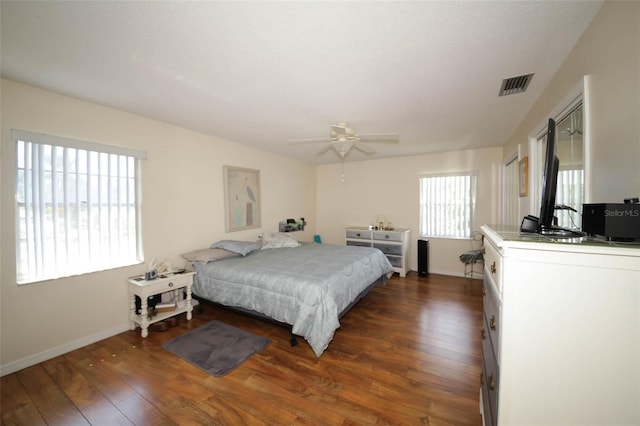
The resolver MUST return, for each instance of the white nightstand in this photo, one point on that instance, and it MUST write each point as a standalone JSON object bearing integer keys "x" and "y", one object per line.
{"x": 164, "y": 283}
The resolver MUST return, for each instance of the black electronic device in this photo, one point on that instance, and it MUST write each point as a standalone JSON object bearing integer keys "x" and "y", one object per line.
{"x": 152, "y": 301}
{"x": 423, "y": 258}
{"x": 549, "y": 181}
{"x": 546, "y": 222}
{"x": 529, "y": 224}
{"x": 614, "y": 221}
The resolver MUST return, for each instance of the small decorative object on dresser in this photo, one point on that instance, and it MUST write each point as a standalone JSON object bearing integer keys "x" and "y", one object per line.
{"x": 394, "y": 244}
{"x": 170, "y": 282}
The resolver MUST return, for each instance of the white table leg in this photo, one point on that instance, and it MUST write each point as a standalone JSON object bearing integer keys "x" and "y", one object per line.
{"x": 144, "y": 318}
{"x": 189, "y": 305}
{"x": 132, "y": 311}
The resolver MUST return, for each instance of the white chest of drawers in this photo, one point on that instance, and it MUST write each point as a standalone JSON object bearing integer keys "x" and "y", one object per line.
{"x": 561, "y": 331}
{"x": 394, "y": 244}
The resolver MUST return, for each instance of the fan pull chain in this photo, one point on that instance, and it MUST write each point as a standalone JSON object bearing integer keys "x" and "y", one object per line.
{"x": 342, "y": 175}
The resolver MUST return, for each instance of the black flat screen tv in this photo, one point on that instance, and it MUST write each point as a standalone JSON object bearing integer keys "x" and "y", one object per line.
{"x": 549, "y": 181}
{"x": 546, "y": 221}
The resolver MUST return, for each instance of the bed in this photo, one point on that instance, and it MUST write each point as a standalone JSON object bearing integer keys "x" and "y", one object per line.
{"x": 308, "y": 286}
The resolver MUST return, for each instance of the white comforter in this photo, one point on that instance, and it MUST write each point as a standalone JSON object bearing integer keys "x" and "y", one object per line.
{"x": 306, "y": 286}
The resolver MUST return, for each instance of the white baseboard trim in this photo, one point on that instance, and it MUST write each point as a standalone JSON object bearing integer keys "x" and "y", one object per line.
{"x": 31, "y": 360}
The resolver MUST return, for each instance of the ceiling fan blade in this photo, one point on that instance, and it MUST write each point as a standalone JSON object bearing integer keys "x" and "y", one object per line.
{"x": 308, "y": 140}
{"x": 362, "y": 147}
{"x": 380, "y": 138}
{"x": 324, "y": 149}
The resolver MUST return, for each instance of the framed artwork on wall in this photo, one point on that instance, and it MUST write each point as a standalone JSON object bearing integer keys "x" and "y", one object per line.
{"x": 241, "y": 198}
{"x": 524, "y": 177}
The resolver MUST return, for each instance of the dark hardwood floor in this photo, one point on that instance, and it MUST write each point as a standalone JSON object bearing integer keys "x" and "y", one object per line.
{"x": 408, "y": 353}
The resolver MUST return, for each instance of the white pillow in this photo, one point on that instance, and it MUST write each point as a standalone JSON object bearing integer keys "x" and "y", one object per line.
{"x": 207, "y": 255}
{"x": 241, "y": 247}
{"x": 276, "y": 240}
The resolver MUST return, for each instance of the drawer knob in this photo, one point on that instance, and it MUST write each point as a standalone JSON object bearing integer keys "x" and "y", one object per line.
{"x": 170, "y": 284}
{"x": 492, "y": 322}
{"x": 493, "y": 267}
{"x": 387, "y": 236}
{"x": 358, "y": 234}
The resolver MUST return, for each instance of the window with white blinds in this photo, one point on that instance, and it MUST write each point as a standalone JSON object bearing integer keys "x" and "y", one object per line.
{"x": 511, "y": 193}
{"x": 77, "y": 206}
{"x": 571, "y": 181}
{"x": 447, "y": 205}
{"x": 570, "y": 192}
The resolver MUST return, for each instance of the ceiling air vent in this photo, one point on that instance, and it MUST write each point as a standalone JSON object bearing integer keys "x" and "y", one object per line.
{"x": 513, "y": 85}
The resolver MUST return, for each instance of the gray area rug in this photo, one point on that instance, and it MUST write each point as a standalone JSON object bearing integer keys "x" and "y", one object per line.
{"x": 216, "y": 347}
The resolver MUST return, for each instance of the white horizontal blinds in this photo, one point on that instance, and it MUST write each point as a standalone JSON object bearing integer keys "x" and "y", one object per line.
{"x": 569, "y": 192}
{"x": 77, "y": 207}
{"x": 570, "y": 185}
{"x": 447, "y": 205}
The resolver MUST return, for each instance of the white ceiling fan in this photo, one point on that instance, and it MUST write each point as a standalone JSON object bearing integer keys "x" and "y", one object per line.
{"x": 342, "y": 138}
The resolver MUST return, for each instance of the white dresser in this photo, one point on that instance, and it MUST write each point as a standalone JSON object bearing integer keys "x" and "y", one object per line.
{"x": 394, "y": 244}
{"x": 561, "y": 334}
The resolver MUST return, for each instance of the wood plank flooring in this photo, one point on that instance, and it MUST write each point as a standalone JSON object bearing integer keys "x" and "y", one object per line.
{"x": 408, "y": 353}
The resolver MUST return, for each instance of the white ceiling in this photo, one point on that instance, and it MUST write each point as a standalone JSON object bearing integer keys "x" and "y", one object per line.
{"x": 262, "y": 73}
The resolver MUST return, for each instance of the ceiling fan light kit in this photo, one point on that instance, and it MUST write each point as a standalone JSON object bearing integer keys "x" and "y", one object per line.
{"x": 342, "y": 147}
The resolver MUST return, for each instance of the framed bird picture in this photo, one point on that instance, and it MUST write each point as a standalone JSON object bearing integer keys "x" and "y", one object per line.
{"x": 242, "y": 198}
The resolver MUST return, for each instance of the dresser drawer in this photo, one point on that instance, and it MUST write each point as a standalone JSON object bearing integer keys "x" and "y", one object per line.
{"x": 389, "y": 248}
{"x": 387, "y": 236}
{"x": 493, "y": 264}
{"x": 486, "y": 403}
{"x": 490, "y": 377}
{"x": 492, "y": 313}
{"x": 173, "y": 284}
{"x": 359, "y": 243}
{"x": 359, "y": 234}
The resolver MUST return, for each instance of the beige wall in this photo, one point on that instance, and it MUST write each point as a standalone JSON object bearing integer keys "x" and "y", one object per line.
{"x": 391, "y": 187}
{"x": 609, "y": 52}
{"x": 183, "y": 209}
